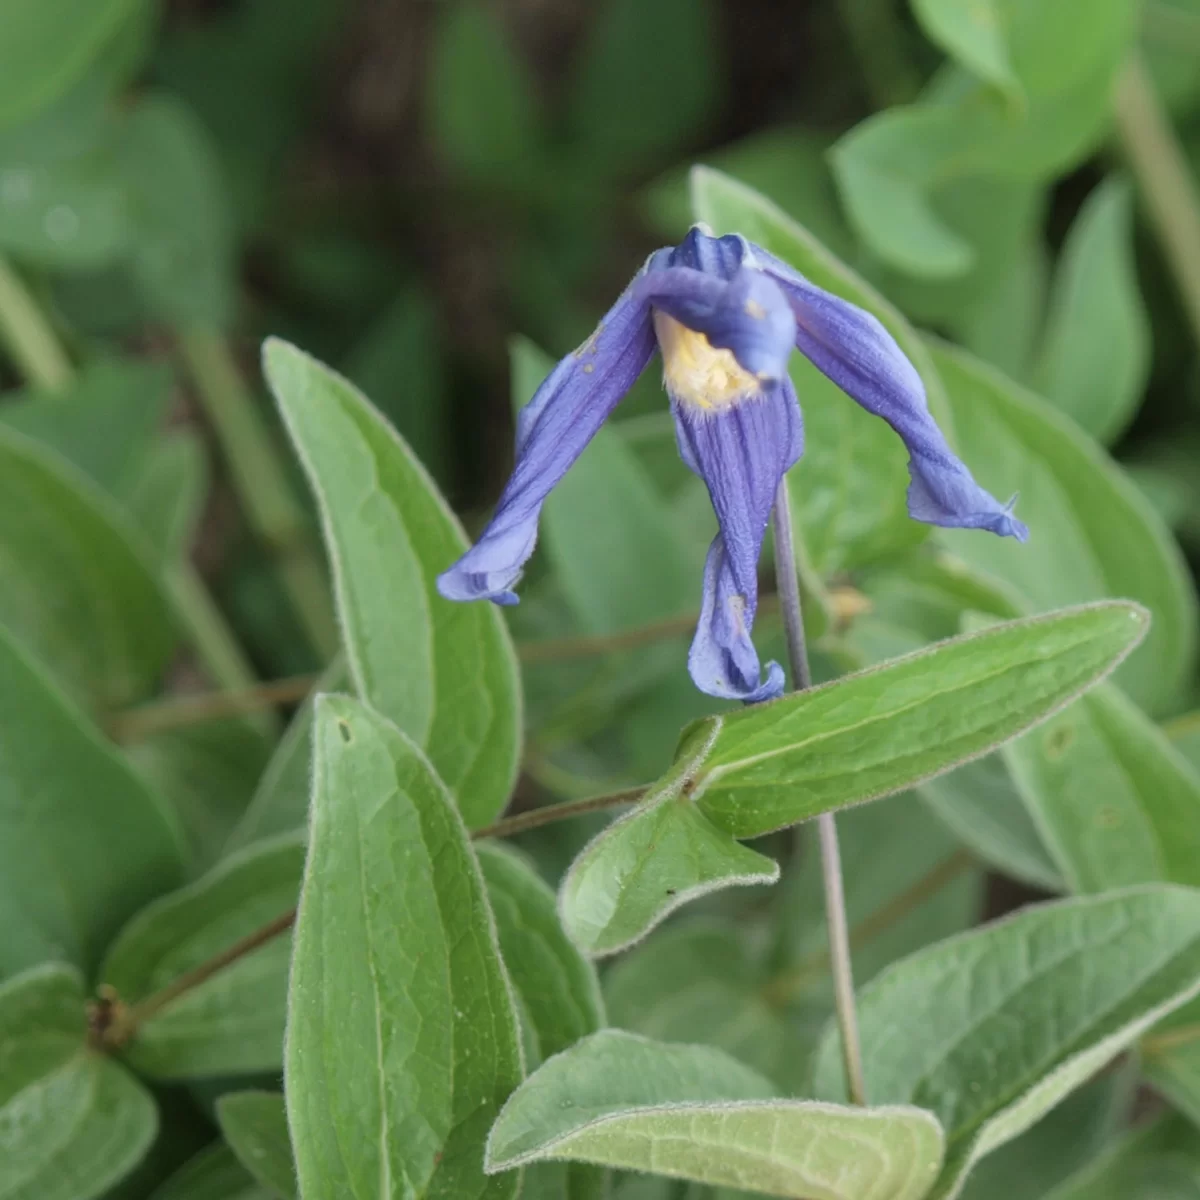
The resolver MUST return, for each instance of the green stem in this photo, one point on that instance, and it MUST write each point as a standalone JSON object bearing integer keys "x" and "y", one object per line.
{"x": 261, "y": 481}
{"x": 788, "y": 586}
{"x": 1161, "y": 169}
{"x": 31, "y": 341}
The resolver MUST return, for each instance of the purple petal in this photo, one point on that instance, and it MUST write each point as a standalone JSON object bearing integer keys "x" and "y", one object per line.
{"x": 741, "y": 451}
{"x": 747, "y": 314}
{"x": 855, "y": 351}
{"x": 552, "y": 431}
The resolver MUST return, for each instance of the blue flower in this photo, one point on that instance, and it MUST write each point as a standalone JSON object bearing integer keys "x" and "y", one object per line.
{"x": 725, "y": 316}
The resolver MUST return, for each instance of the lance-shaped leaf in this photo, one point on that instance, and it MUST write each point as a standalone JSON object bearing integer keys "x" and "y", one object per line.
{"x": 48, "y": 47}
{"x": 1116, "y": 803}
{"x": 974, "y": 35}
{"x": 649, "y": 862}
{"x": 84, "y": 843}
{"x": 1096, "y": 355}
{"x": 255, "y": 1126}
{"x": 72, "y": 1121}
{"x": 402, "y": 1038}
{"x": 231, "y": 1023}
{"x": 557, "y": 987}
{"x": 1171, "y": 1059}
{"x": 557, "y": 991}
{"x": 905, "y": 721}
{"x": 1160, "y": 1161}
{"x": 215, "y": 1173}
{"x": 1001, "y": 1023}
{"x": 693, "y": 1112}
{"x": 1093, "y": 533}
{"x": 980, "y": 803}
{"x": 445, "y": 673}
{"x": 109, "y": 632}
{"x": 104, "y": 422}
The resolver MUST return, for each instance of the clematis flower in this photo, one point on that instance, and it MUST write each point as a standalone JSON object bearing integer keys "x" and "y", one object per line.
{"x": 725, "y": 316}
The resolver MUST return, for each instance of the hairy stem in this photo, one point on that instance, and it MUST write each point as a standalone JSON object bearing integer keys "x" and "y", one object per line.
{"x": 1164, "y": 178}
{"x": 25, "y": 331}
{"x": 788, "y": 586}
{"x": 261, "y": 481}
{"x": 123, "y": 1026}
{"x": 180, "y": 712}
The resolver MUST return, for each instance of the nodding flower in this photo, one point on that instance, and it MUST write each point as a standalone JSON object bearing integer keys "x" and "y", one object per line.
{"x": 725, "y": 316}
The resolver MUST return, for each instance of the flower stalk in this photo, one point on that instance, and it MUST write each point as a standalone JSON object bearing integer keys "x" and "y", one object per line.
{"x": 787, "y": 583}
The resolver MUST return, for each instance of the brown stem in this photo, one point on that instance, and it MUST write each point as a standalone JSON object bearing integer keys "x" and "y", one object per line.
{"x": 1161, "y": 1043}
{"x": 120, "y": 1024}
{"x": 126, "y": 1024}
{"x": 181, "y": 711}
{"x": 507, "y": 826}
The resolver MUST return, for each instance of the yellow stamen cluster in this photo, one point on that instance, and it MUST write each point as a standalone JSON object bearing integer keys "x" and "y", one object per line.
{"x": 696, "y": 372}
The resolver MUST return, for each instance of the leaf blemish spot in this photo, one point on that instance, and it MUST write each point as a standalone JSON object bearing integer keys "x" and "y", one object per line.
{"x": 344, "y": 730}
{"x": 1058, "y": 741}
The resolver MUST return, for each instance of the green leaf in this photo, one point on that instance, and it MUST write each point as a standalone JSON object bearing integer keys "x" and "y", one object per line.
{"x": 1160, "y": 1161}
{"x": 1184, "y": 734}
{"x": 649, "y": 862}
{"x": 109, "y": 632}
{"x": 1091, "y": 532}
{"x": 48, "y": 46}
{"x": 557, "y": 987}
{"x": 255, "y": 1126}
{"x": 1171, "y": 1060}
{"x": 669, "y": 988}
{"x": 280, "y": 804}
{"x": 844, "y": 526}
{"x": 445, "y": 673}
{"x": 1001, "y": 1023}
{"x": 557, "y": 992}
{"x": 83, "y": 842}
{"x": 905, "y": 721}
{"x": 973, "y": 33}
{"x": 630, "y": 101}
{"x": 907, "y": 883}
{"x": 885, "y": 168}
{"x": 72, "y": 1122}
{"x": 402, "y": 1035}
{"x": 232, "y": 1022}
{"x": 208, "y": 772}
{"x": 1116, "y": 804}
{"x": 981, "y": 805}
{"x": 104, "y": 422}
{"x": 1067, "y": 1139}
{"x": 615, "y": 551}
{"x": 167, "y": 490}
{"x": 694, "y": 1113}
{"x": 213, "y": 1174}
{"x": 183, "y": 256}
{"x": 481, "y": 103}
{"x": 785, "y": 163}
{"x": 1095, "y": 358}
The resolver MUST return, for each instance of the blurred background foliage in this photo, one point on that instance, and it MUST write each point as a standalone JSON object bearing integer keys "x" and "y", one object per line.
{"x": 438, "y": 197}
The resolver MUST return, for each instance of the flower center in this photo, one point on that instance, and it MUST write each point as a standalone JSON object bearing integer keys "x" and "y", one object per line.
{"x": 695, "y": 371}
